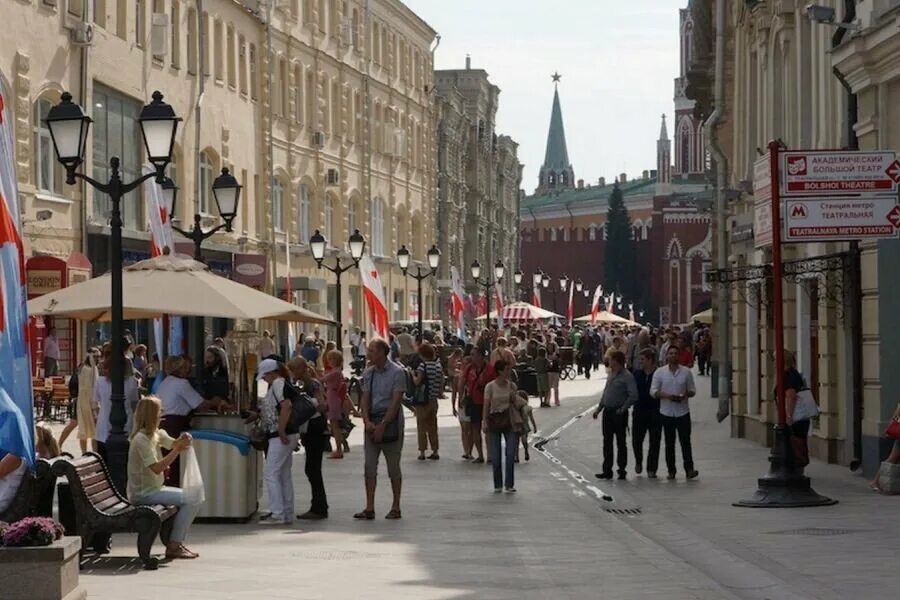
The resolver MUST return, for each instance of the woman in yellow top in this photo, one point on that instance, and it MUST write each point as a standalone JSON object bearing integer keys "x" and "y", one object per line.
{"x": 146, "y": 467}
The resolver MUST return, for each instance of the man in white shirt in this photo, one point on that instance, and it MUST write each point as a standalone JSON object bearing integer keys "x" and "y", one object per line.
{"x": 51, "y": 354}
{"x": 673, "y": 384}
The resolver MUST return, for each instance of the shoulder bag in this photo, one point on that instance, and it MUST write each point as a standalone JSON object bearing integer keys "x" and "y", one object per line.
{"x": 498, "y": 422}
{"x": 805, "y": 407}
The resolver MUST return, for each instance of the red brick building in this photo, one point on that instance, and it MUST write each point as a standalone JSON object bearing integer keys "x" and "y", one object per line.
{"x": 563, "y": 224}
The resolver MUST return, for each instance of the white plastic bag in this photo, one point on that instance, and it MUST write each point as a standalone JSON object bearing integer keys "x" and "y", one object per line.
{"x": 191, "y": 479}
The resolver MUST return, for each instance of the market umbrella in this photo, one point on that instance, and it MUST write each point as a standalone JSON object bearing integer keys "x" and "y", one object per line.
{"x": 604, "y": 316}
{"x": 169, "y": 285}
{"x": 523, "y": 312}
{"x": 703, "y": 317}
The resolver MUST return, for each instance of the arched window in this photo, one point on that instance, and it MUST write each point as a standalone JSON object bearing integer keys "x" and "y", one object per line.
{"x": 206, "y": 180}
{"x": 377, "y": 226}
{"x": 303, "y": 210}
{"x": 328, "y": 225}
{"x": 47, "y": 171}
{"x": 278, "y": 205}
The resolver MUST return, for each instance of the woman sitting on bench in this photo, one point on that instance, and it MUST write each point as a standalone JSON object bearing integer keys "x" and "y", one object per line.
{"x": 146, "y": 468}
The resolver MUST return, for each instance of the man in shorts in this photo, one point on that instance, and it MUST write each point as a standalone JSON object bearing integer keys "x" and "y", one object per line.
{"x": 383, "y": 384}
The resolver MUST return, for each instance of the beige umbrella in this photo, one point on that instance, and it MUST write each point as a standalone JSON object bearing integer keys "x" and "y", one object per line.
{"x": 169, "y": 285}
{"x": 704, "y": 317}
{"x": 606, "y": 317}
{"x": 523, "y": 312}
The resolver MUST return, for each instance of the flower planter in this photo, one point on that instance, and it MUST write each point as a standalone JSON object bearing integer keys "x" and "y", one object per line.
{"x": 42, "y": 572}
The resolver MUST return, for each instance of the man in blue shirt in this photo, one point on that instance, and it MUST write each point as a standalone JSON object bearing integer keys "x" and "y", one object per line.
{"x": 645, "y": 417}
{"x": 310, "y": 352}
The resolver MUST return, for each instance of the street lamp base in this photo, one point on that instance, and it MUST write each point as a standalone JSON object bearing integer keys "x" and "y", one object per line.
{"x": 784, "y": 486}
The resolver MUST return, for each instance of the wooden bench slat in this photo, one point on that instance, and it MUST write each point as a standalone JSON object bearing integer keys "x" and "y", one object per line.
{"x": 95, "y": 486}
{"x": 101, "y": 495}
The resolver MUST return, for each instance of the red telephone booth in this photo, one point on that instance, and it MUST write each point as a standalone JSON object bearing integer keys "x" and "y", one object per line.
{"x": 47, "y": 274}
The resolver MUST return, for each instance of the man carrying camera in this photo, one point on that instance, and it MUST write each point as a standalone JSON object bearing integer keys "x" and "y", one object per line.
{"x": 673, "y": 384}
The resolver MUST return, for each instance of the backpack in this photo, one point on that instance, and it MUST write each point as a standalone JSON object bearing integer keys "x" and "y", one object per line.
{"x": 415, "y": 395}
{"x": 302, "y": 407}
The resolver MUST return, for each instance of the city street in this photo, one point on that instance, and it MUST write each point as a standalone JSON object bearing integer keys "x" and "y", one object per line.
{"x": 556, "y": 538}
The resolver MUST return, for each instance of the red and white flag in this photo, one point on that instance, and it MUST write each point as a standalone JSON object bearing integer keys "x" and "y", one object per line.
{"x": 631, "y": 311}
{"x": 610, "y": 304}
{"x": 498, "y": 301}
{"x": 536, "y": 298}
{"x": 458, "y": 303}
{"x": 374, "y": 290}
{"x": 595, "y": 305}
{"x": 571, "y": 303}
{"x": 161, "y": 236}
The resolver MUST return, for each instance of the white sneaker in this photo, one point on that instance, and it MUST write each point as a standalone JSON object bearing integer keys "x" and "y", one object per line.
{"x": 498, "y": 490}
{"x": 510, "y": 490}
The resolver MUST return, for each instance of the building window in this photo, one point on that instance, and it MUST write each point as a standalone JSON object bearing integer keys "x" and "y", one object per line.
{"x": 254, "y": 72}
{"x": 328, "y": 225}
{"x": 332, "y": 18}
{"x": 303, "y": 210}
{"x": 298, "y": 93}
{"x": 204, "y": 57}
{"x": 278, "y": 205}
{"x": 176, "y": 34}
{"x": 116, "y": 133}
{"x": 122, "y": 19}
{"x": 335, "y": 109}
{"x": 232, "y": 70}
{"x": 206, "y": 181}
{"x": 322, "y": 16}
{"x": 242, "y": 64}
{"x": 376, "y": 43}
{"x": 48, "y": 172}
{"x": 377, "y": 227}
{"x": 353, "y": 220}
{"x": 310, "y": 100}
{"x": 192, "y": 41}
{"x": 355, "y": 25}
{"x": 140, "y": 19}
{"x": 217, "y": 51}
{"x": 100, "y": 13}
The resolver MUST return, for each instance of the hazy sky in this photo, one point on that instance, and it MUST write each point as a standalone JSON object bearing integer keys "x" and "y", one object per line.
{"x": 617, "y": 61}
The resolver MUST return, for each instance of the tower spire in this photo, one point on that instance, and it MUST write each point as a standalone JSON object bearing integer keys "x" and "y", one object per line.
{"x": 556, "y": 172}
{"x": 663, "y": 131}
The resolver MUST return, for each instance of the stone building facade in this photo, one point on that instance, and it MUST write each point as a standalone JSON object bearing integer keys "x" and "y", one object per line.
{"x": 349, "y": 102}
{"x": 479, "y": 177}
{"x": 780, "y": 84}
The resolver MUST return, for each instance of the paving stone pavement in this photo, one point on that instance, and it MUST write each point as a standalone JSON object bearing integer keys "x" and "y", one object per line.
{"x": 553, "y": 539}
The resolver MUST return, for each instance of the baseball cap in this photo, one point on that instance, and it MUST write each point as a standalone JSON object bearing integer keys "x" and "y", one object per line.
{"x": 267, "y": 366}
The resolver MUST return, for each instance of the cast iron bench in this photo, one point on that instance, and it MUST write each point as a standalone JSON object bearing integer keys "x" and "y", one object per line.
{"x": 100, "y": 508}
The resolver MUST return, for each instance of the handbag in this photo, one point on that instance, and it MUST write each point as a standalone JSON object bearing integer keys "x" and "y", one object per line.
{"x": 391, "y": 430}
{"x": 893, "y": 430}
{"x": 805, "y": 406}
{"x": 498, "y": 422}
{"x": 192, "y": 479}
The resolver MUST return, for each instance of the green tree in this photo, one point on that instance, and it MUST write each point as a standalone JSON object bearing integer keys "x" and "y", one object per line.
{"x": 619, "y": 260}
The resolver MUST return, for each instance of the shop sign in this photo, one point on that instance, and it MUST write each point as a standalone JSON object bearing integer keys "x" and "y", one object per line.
{"x": 827, "y": 173}
{"x": 44, "y": 281}
{"x": 839, "y": 219}
{"x": 250, "y": 269}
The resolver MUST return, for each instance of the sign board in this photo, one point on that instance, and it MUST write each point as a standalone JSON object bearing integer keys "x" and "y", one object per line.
{"x": 762, "y": 179}
{"x": 828, "y": 173}
{"x": 665, "y": 316}
{"x": 835, "y": 219}
{"x": 762, "y": 224}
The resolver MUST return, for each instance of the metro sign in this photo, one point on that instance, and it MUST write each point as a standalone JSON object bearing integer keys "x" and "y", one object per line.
{"x": 828, "y": 219}
{"x": 894, "y": 216}
{"x": 827, "y": 173}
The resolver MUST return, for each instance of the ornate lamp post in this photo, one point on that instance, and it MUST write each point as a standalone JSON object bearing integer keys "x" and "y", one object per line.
{"x": 227, "y": 192}
{"x": 69, "y": 128}
{"x": 434, "y": 258}
{"x": 487, "y": 282}
{"x": 357, "y": 245}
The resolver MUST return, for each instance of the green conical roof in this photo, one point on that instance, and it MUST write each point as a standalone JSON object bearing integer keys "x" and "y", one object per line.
{"x": 557, "y": 156}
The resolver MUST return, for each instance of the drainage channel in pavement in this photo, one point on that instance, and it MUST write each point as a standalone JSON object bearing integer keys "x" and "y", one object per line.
{"x": 577, "y": 482}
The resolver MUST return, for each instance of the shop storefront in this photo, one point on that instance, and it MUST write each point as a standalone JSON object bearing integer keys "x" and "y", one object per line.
{"x": 45, "y": 274}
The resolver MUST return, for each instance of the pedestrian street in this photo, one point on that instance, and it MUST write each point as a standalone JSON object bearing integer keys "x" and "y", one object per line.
{"x": 557, "y": 537}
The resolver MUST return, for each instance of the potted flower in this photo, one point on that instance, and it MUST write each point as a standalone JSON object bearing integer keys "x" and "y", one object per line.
{"x": 36, "y": 554}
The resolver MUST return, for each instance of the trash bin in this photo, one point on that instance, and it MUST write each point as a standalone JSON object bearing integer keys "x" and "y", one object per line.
{"x": 231, "y": 475}
{"x": 526, "y": 380}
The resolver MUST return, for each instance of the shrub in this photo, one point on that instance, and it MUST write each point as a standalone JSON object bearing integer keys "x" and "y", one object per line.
{"x": 31, "y": 531}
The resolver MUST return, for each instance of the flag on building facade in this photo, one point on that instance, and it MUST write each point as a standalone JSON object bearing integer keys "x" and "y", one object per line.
{"x": 571, "y": 302}
{"x": 16, "y": 400}
{"x": 595, "y": 305}
{"x": 631, "y": 311}
{"x": 374, "y": 291}
{"x": 536, "y": 297}
{"x": 457, "y": 299}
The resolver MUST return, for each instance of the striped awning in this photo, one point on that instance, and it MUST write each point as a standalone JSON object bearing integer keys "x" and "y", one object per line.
{"x": 522, "y": 312}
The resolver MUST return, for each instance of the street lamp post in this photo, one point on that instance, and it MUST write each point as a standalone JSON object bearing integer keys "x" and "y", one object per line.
{"x": 69, "y": 128}
{"x": 488, "y": 283}
{"x": 357, "y": 244}
{"x": 227, "y": 192}
{"x": 434, "y": 258}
